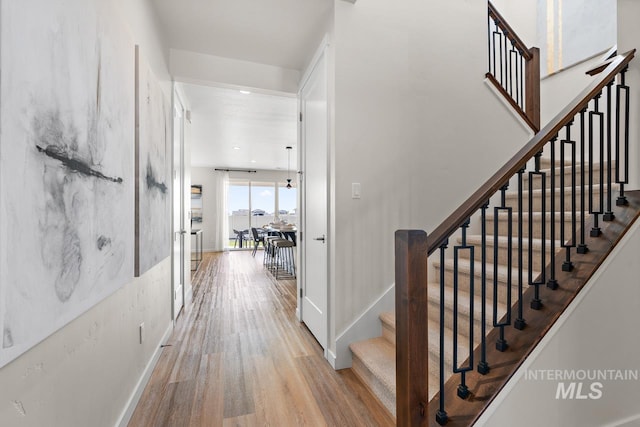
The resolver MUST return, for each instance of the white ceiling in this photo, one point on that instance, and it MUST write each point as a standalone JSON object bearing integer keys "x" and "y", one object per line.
{"x": 282, "y": 33}
{"x": 235, "y": 130}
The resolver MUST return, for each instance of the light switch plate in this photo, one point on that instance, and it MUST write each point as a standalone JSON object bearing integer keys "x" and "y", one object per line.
{"x": 355, "y": 190}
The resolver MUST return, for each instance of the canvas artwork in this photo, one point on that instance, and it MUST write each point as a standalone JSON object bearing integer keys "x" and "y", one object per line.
{"x": 66, "y": 164}
{"x": 153, "y": 169}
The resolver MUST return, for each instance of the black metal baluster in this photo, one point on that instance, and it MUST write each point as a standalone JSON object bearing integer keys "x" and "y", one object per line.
{"x": 522, "y": 103}
{"x": 582, "y": 247}
{"x": 595, "y": 230}
{"x": 504, "y": 59}
{"x": 609, "y": 215}
{"x": 496, "y": 34}
{"x": 501, "y": 343}
{"x": 463, "y": 390}
{"x": 483, "y": 366}
{"x": 536, "y": 302}
{"x": 499, "y": 34}
{"x": 489, "y": 42}
{"x": 553, "y": 283}
{"x": 565, "y": 242}
{"x": 441, "y": 415}
{"x": 520, "y": 323}
{"x": 622, "y": 88}
{"x": 511, "y": 52}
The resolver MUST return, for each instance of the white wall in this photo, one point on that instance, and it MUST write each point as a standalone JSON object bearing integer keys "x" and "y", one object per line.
{"x": 85, "y": 374}
{"x": 557, "y": 90}
{"x": 629, "y": 38}
{"x": 415, "y": 124}
{"x": 598, "y": 331}
{"x": 521, "y": 16}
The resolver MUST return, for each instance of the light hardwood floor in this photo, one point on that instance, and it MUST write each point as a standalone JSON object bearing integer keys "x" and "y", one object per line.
{"x": 239, "y": 357}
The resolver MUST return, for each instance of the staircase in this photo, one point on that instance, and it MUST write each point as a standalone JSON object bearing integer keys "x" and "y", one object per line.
{"x": 374, "y": 360}
{"x": 509, "y": 260}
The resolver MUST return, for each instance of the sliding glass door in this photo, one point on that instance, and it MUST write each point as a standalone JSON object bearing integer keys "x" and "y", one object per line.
{"x": 238, "y": 214}
{"x": 257, "y": 204}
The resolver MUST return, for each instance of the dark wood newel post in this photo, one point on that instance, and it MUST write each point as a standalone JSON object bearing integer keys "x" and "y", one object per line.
{"x": 532, "y": 94}
{"x": 412, "y": 368}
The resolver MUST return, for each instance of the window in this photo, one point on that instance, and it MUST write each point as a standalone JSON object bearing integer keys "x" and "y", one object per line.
{"x": 263, "y": 199}
{"x": 254, "y": 204}
{"x": 238, "y": 206}
{"x": 287, "y": 199}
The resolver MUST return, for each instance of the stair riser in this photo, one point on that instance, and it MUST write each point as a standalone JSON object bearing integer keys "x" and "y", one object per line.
{"x": 545, "y": 162}
{"x": 512, "y": 201}
{"x": 463, "y": 320}
{"x": 385, "y": 396}
{"x": 537, "y": 229}
{"x": 502, "y": 256}
{"x": 434, "y": 359}
{"x": 537, "y": 182}
{"x": 463, "y": 277}
{"x": 434, "y": 320}
{"x": 389, "y": 333}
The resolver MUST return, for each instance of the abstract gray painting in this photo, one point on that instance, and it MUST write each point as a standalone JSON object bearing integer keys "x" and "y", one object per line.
{"x": 66, "y": 164}
{"x": 153, "y": 170}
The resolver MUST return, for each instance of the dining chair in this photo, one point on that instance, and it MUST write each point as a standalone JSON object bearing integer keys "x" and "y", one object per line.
{"x": 258, "y": 238}
{"x": 241, "y": 236}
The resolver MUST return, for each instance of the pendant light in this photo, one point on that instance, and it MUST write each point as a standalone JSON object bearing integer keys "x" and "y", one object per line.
{"x": 289, "y": 167}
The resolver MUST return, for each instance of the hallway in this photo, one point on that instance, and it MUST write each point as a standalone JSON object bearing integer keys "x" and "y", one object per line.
{"x": 239, "y": 357}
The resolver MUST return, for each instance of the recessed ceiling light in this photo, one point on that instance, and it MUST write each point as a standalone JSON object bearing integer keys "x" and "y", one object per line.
{"x": 253, "y": 161}
{"x": 245, "y": 92}
{"x": 236, "y": 148}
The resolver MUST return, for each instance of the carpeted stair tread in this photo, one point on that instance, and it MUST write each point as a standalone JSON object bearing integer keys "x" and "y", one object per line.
{"x": 464, "y": 267}
{"x": 546, "y": 169}
{"x": 545, "y": 162}
{"x": 503, "y": 242}
{"x": 374, "y": 362}
{"x": 464, "y": 308}
{"x": 536, "y": 215}
{"x": 512, "y": 194}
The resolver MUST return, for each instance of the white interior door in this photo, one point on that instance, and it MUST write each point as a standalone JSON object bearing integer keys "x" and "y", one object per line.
{"x": 178, "y": 211}
{"x": 314, "y": 283}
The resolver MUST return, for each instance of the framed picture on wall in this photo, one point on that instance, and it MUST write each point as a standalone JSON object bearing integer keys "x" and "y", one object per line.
{"x": 196, "y": 204}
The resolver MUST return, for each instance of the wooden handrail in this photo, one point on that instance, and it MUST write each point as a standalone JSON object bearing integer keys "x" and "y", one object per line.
{"x": 517, "y": 162}
{"x": 600, "y": 67}
{"x": 506, "y": 28}
{"x": 611, "y": 53}
{"x": 527, "y": 105}
{"x": 604, "y": 61}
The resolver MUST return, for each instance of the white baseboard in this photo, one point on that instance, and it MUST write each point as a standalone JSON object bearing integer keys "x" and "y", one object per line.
{"x": 188, "y": 297}
{"x": 366, "y": 326}
{"x": 331, "y": 358}
{"x": 125, "y": 417}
